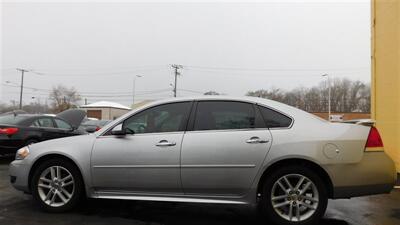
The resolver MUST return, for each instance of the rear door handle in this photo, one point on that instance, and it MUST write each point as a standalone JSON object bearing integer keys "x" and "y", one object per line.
{"x": 256, "y": 140}
{"x": 165, "y": 143}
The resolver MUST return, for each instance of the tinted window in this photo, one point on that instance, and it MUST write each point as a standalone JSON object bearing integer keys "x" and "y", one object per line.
{"x": 43, "y": 122}
{"x": 163, "y": 118}
{"x": 62, "y": 124}
{"x": 274, "y": 119}
{"x": 220, "y": 115}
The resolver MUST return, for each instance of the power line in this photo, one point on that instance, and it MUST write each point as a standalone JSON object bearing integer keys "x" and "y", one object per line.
{"x": 105, "y": 73}
{"x": 89, "y": 92}
{"x": 102, "y": 69}
{"x": 274, "y": 69}
{"x": 193, "y": 91}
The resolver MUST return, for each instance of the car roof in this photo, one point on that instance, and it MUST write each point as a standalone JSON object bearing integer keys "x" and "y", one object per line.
{"x": 261, "y": 101}
{"x": 32, "y": 115}
{"x": 25, "y": 119}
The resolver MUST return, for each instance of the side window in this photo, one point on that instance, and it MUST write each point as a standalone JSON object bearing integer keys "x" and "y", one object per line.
{"x": 274, "y": 119}
{"x": 35, "y": 123}
{"x": 62, "y": 124}
{"x": 222, "y": 115}
{"x": 43, "y": 122}
{"x": 164, "y": 118}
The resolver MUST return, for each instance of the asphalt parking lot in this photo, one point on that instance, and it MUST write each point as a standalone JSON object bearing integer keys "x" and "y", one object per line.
{"x": 17, "y": 208}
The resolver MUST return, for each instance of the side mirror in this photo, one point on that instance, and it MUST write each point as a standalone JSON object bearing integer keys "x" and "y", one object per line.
{"x": 117, "y": 130}
{"x": 91, "y": 129}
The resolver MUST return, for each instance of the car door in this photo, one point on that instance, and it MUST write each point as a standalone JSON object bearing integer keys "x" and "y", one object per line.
{"x": 146, "y": 161}
{"x": 224, "y": 149}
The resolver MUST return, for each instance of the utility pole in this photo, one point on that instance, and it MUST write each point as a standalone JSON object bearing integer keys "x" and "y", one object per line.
{"x": 176, "y": 67}
{"x": 22, "y": 86}
{"x": 329, "y": 96}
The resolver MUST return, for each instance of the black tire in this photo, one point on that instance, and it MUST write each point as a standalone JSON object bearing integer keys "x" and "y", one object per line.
{"x": 265, "y": 204}
{"x": 78, "y": 191}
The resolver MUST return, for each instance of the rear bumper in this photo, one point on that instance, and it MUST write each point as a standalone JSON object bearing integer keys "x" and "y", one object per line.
{"x": 374, "y": 174}
{"x": 356, "y": 191}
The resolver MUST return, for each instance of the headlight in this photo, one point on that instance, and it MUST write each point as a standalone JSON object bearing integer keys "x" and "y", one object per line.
{"x": 22, "y": 153}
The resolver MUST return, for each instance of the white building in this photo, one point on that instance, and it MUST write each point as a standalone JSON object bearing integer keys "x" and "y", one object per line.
{"x": 105, "y": 110}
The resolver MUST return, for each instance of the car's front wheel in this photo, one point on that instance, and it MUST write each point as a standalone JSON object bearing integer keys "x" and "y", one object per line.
{"x": 294, "y": 195}
{"x": 56, "y": 185}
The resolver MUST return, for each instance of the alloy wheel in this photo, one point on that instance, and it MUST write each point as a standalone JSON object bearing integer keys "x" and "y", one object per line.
{"x": 56, "y": 186}
{"x": 294, "y": 197}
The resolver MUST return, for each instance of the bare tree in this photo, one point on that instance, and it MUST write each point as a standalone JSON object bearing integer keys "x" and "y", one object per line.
{"x": 63, "y": 98}
{"x": 346, "y": 96}
{"x": 273, "y": 94}
{"x": 212, "y": 93}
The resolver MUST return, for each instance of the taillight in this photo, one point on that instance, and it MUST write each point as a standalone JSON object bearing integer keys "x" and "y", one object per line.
{"x": 374, "y": 139}
{"x": 8, "y": 130}
{"x": 98, "y": 128}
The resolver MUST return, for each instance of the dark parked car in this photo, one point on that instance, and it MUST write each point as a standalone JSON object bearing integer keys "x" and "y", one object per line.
{"x": 93, "y": 125}
{"x": 18, "y": 130}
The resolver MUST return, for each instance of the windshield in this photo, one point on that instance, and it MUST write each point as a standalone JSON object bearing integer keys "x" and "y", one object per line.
{"x": 11, "y": 119}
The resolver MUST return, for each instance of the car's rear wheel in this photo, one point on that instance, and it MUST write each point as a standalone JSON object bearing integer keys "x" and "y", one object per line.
{"x": 294, "y": 195}
{"x": 57, "y": 185}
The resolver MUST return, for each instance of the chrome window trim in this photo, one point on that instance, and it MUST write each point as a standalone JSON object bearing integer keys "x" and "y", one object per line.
{"x": 195, "y": 101}
{"x": 142, "y": 134}
{"x": 227, "y": 130}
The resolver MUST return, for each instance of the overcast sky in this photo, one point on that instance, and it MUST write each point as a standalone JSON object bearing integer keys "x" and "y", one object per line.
{"x": 227, "y": 47}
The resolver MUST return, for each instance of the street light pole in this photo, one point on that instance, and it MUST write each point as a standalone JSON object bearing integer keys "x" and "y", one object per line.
{"x": 329, "y": 95}
{"x": 133, "y": 89}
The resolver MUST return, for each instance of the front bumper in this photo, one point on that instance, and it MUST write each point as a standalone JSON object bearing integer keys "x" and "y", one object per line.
{"x": 374, "y": 174}
{"x": 19, "y": 175}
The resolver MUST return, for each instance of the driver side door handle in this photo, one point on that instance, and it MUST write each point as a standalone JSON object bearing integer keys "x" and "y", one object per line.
{"x": 256, "y": 140}
{"x": 165, "y": 143}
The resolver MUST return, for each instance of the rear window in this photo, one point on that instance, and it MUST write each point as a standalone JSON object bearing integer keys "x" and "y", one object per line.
{"x": 274, "y": 119}
{"x": 11, "y": 119}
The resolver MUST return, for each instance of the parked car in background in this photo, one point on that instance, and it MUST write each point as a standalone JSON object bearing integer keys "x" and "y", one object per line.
{"x": 18, "y": 130}
{"x": 215, "y": 149}
{"x": 93, "y": 125}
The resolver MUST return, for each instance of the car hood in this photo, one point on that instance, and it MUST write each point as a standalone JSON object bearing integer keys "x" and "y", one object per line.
{"x": 72, "y": 116}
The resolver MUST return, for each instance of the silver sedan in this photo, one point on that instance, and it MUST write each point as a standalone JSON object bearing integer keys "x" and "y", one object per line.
{"x": 211, "y": 150}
